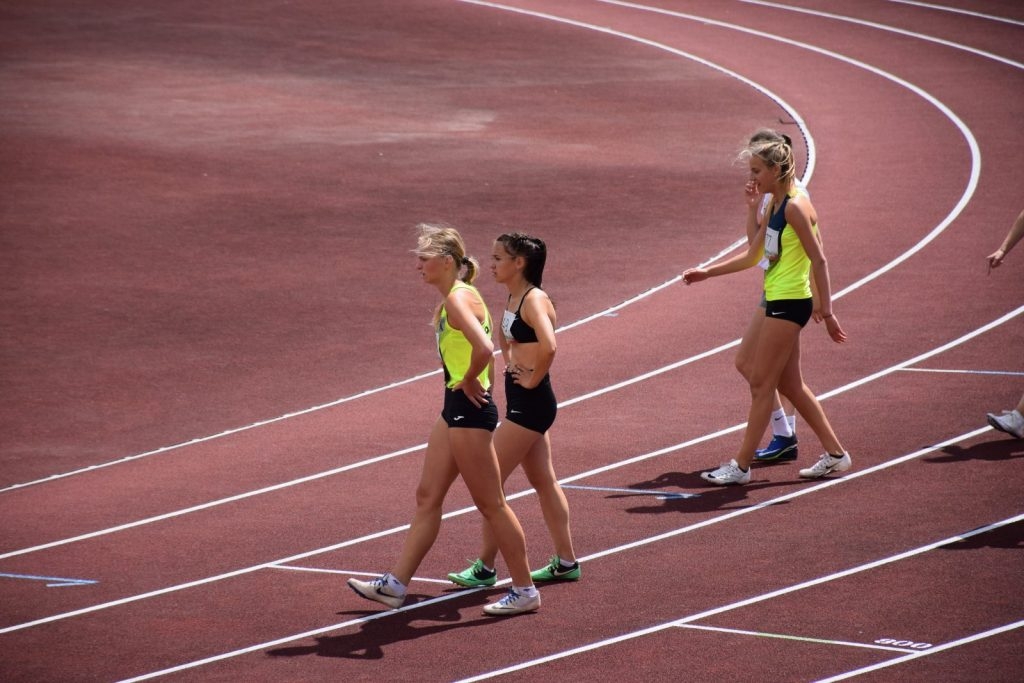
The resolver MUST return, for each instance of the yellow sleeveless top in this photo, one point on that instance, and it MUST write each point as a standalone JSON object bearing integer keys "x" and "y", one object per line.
{"x": 788, "y": 273}
{"x": 455, "y": 350}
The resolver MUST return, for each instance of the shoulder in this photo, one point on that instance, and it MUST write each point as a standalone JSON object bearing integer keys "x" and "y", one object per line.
{"x": 799, "y": 202}
{"x": 536, "y": 298}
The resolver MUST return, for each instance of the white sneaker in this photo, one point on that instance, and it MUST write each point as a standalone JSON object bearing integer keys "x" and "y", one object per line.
{"x": 728, "y": 473}
{"x": 382, "y": 590}
{"x": 827, "y": 465}
{"x": 1010, "y": 422}
{"x": 513, "y": 603}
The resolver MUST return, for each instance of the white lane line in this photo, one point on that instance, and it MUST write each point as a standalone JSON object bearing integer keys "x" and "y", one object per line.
{"x": 53, "y": 581}
{"x": 773, "y": 96}
{"x": 363, "y": 394}
{"x": 890, "y": 29}
{"x": 966, "y": 372}
{"x": 347, "y": 572}
{"x": 223, "y": 501}
{"x": 208, "y": 505}
{"x": 974, "y": 637}
{"x": 220, "y": 435}
{"x": 178, "y": 669}
{"x": 355, "y": 541}
{"x": 662, "y": 494}
{"x": 754, "y": 600}
{"x": 972, "y": 143}
{"x": 786, "y": 636}
{"x": 808, "y": 173}
{"x": 917, "y": 247}
{"x": 660, "y": 627}
{"x": 957, "y": 10}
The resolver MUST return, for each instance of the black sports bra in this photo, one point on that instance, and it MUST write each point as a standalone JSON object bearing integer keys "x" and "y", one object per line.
{"x": 513, "y": 327}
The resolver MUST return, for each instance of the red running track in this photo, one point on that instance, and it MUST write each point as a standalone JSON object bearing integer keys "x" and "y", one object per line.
{"x": 218, "y": 374}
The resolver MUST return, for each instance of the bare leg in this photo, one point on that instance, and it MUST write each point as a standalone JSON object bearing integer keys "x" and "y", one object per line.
{"x": 775, "y": 344}
{"x": 792, "y": 385}
{"x": 745, "y": 355}
{"x": 439, "y": 471}
{"x": 474, "y": 454}
{"x": 554, "y": 506}
{"x": 511, "y": 443}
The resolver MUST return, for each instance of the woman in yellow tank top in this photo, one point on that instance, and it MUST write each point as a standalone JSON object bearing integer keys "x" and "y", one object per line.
{"x": 787, "y": 247}
{"x": 460, "y": 441}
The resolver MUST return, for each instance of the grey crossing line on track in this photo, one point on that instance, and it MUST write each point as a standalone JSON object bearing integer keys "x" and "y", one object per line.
{"x": 661, "y": 495}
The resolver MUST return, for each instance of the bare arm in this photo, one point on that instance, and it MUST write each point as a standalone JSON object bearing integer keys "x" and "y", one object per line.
{"x": 465, "y": 312}
{"x": 538, "y": 313}
{"x": 799, "y": 214}
{"x": 737, "y": 263}
{"x": 995, "y": 259}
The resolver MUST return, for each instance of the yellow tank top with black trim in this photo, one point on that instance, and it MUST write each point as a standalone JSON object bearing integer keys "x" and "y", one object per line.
{"x": 789, "y": 269}
{"x": 455, "y": 350}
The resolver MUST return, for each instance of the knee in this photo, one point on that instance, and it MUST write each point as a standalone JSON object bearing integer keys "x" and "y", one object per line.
{"x": 760, "y": 387}
{"x": 428, "y": 498}
{"x": 743, "y": 366}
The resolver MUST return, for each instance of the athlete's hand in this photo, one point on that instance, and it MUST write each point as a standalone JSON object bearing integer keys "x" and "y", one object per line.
{"x": 752, "y": 194}
{"x": 522, "y": 376}
{"x": 834, "y": 329}
{"x": 473, "y": 390}
{"x": 695, "y": 275}
{"x": 995, "y": 259}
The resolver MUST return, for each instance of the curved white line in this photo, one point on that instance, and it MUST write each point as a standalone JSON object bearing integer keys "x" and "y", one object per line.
{"x": 976, "y": 155}
{"x": 972, "y": 143}
{"x": 957, "y": 10}
{"x": 775, "y": 97}
{"x": 891, "y": 29}
{"x": 808, "y": 173}
{"x": 917, "y": 247}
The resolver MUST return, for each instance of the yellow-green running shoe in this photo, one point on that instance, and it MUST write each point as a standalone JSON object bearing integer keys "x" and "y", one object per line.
{"x": 475, "y": 576}
{"x": 555, "y": 571}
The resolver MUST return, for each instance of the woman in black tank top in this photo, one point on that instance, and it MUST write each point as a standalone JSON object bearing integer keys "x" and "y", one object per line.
{"x": 527, "y": 340}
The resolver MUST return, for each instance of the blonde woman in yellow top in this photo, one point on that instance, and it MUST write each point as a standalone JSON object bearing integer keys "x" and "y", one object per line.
{"x": 460, "y": 441}
{"x": 787, "y": 247}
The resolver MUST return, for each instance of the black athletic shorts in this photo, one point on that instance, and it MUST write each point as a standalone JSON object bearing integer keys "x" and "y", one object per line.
{"x": 794, "y": 310}
{"x": 460, "y": 413}
{"x": 534, "y": 408}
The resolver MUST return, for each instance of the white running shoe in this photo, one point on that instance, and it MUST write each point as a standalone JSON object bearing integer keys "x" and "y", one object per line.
{"x": 827, "y": 465}
{"x": 727, "y": 473}
{"x": 381, "y": 589}
{"x": 1010, "y": 422}
{"x": 513, "y": 603}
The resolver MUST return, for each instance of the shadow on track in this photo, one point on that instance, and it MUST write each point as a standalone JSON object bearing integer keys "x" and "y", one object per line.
{"x": 992, "y": 451}
{"x": 712, "y": 498}
{"x": 391, "y": 627}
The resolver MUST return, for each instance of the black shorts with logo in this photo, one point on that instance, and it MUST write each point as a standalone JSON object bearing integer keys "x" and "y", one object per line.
{"x": 460, "y": 413}
{"x": 794, "y": 310}
{"x": 534, "y": 408}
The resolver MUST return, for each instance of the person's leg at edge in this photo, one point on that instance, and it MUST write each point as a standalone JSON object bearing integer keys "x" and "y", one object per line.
{"x": 477, "y": 461}
{"x": 791, "y": 385}
{"x": 439, "y": 472}
{"x": 785, "y": 426}
{"x": 553, "y": 504}
{"x": 775, "y": 343}
{"x": 511, "y": 443}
